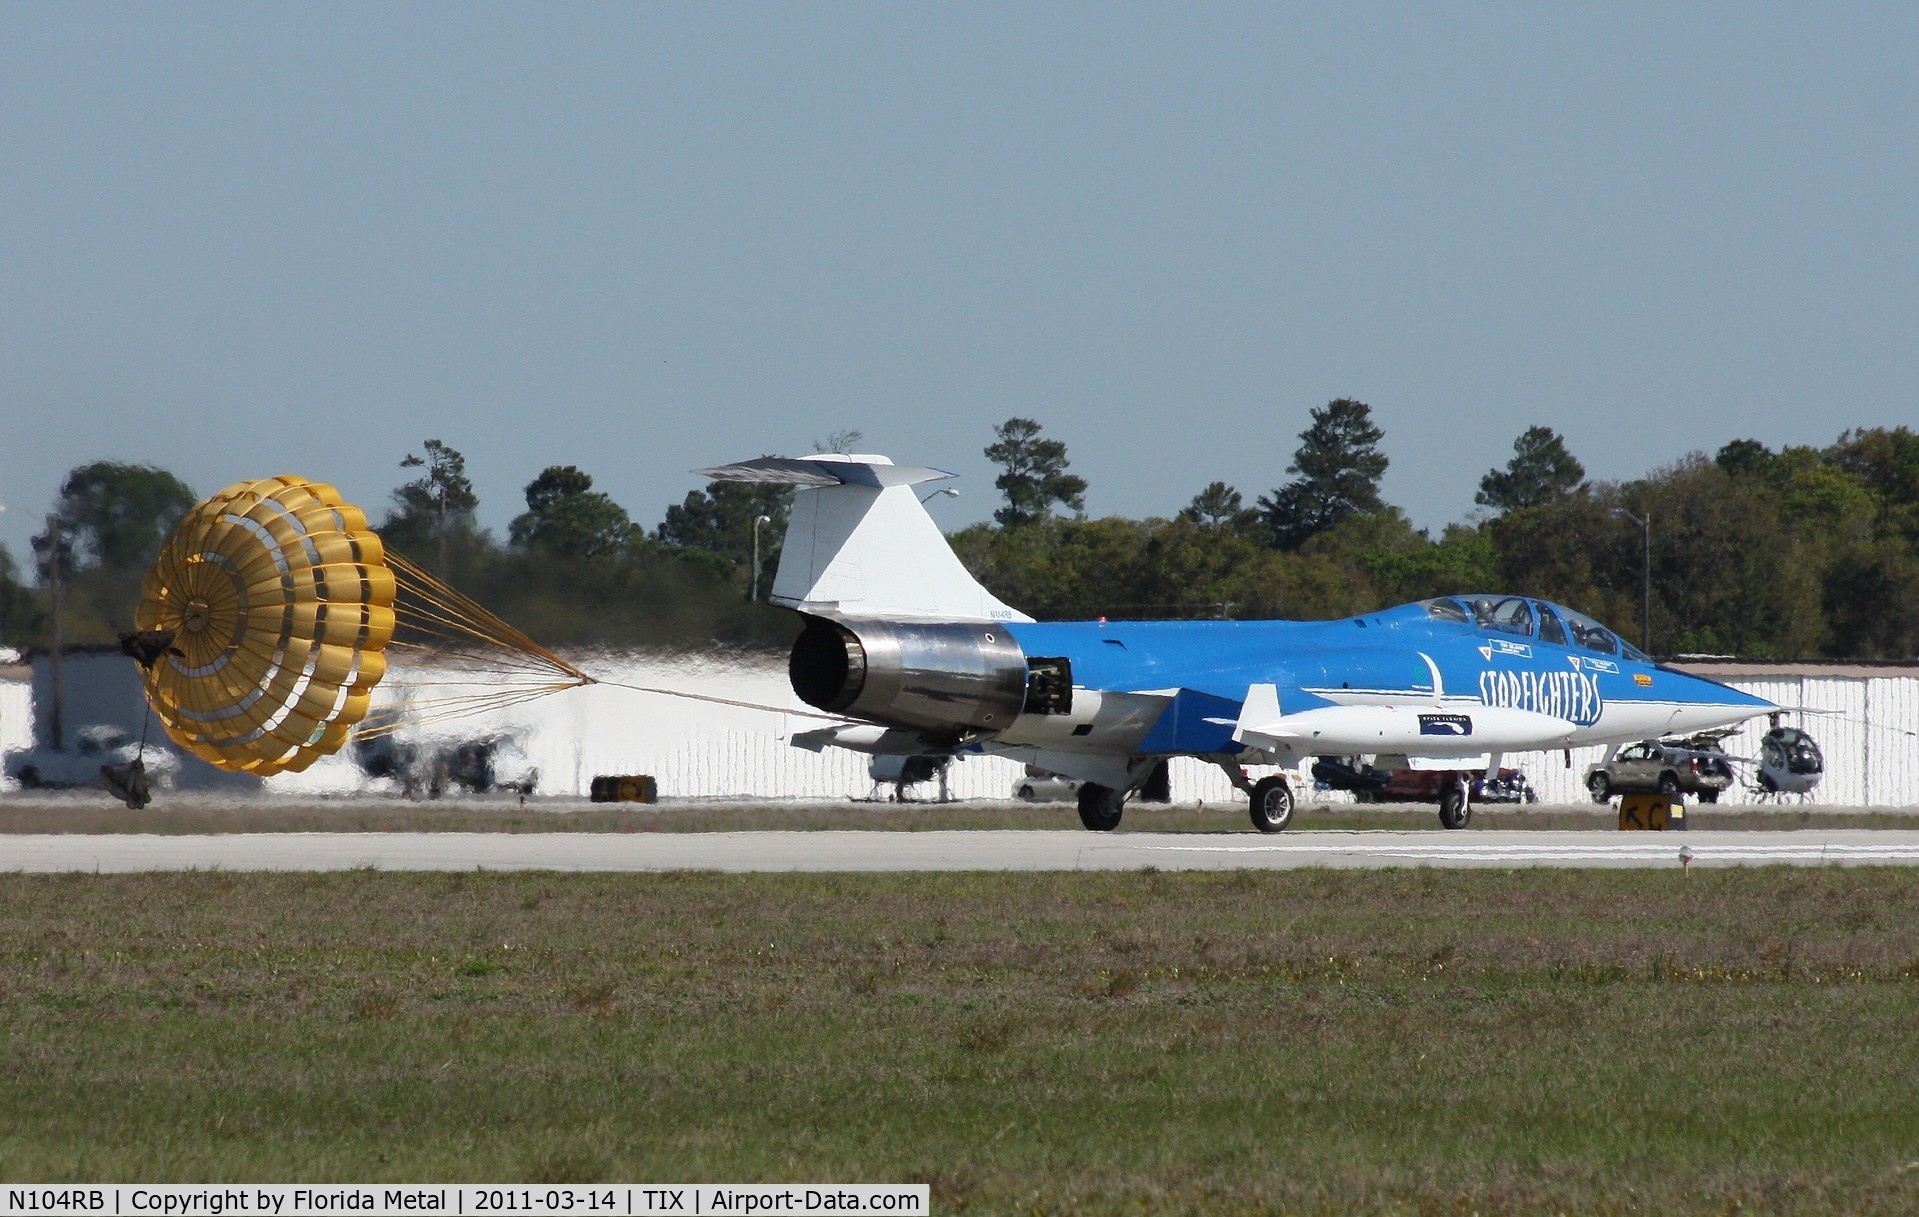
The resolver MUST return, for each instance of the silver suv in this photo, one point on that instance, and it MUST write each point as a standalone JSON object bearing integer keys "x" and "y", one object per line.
{"x": 1696, "y": 766}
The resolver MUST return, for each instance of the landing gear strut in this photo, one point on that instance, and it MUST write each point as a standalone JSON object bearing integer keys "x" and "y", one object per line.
{"x": 1100, "y": 806}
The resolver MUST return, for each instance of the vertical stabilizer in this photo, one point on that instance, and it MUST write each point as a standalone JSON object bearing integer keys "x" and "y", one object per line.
{"x": 861, "y": 544}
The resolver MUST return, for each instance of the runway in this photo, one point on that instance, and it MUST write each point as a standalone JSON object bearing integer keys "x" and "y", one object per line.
{"x": 830, "y": 851}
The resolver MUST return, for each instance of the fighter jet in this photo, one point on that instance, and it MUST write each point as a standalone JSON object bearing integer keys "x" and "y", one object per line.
{"x": 900, "y": 641}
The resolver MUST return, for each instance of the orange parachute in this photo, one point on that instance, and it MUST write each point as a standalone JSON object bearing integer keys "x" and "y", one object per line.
{"x": 278, "y": 607}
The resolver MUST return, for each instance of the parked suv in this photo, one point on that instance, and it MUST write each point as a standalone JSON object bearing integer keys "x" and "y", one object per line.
{"x": 1696, "y": 766}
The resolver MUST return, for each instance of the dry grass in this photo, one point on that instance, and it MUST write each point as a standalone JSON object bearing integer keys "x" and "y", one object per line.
{"x": 96, "y": 812}
{"x": 1400, "y": 1041}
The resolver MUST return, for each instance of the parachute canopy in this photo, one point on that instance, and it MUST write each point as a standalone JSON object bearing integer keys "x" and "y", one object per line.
{"x": 280, "y": 603}
{"x": 266, "y": 622}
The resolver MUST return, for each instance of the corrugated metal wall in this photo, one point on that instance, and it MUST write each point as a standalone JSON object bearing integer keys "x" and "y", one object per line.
{"x": 16, "y": 718}
{"x": 1868, "y": 727}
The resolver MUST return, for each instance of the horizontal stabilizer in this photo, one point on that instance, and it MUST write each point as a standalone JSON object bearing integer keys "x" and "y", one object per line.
{"x": 1407, "y": 730}
{"x": 827, "y": 469}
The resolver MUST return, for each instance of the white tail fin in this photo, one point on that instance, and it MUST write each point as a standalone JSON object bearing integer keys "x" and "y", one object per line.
{"x": 860, "y": 543}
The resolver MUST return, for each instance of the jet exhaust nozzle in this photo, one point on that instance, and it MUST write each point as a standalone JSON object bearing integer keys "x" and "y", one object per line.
{"x": 932, "y": 676}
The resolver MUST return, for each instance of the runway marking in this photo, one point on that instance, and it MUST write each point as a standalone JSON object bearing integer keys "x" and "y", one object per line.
{"x": 941, "y": 850}
{"x": 1787, "y": 852}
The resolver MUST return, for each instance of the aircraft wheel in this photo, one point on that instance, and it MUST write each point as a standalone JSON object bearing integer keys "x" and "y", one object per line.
{"x": 1100, "y": 807}
{"x": 1272, "y": 804}
{"x": 1601, "y": 786}
{"x": 1455, "y": 809}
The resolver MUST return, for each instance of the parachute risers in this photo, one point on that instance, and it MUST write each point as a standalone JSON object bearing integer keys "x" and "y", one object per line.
{"x": 281, "y": 604}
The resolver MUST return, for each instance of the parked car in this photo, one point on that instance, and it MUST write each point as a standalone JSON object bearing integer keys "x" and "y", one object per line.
{"x": 1372, "y": 785}
{"x": 498, "y": 762}
{"x": 93, "y": 747}
{"x": 1425, "y": 786}
{"x": 1697, "y": 766}
{"x": 430, "y": 767}
{"x": 1038, "y": 785}
{"x": 902, "y": 772}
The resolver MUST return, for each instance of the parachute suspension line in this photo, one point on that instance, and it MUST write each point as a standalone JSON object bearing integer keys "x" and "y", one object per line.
{"x": 726, "y": 701}
{"x": 459, "y": 658}
{"x": 469, "y": 632}
{"x": 407, "y": 715}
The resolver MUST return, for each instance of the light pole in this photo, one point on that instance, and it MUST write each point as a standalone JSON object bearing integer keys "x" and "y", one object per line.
{"x": 1645, "y": 584}
{"x": 754, "y": 595}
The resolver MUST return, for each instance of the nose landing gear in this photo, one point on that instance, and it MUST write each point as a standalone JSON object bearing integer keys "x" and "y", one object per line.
{"x": 1455, "y": 803}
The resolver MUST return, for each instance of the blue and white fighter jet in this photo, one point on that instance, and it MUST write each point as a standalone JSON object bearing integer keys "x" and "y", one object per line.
{"x": 903, "y": 643}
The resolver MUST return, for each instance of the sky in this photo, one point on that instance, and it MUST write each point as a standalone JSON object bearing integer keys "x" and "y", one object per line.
{"x": 246, "y": 239}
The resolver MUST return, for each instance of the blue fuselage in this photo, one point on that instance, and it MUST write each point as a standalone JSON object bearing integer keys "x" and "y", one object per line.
{"x": 1408, "y": 654}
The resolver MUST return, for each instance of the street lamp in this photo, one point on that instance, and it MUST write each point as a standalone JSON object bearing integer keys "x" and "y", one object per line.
{"x": 757, "y": 521}
{"x": 1645, "y": 585}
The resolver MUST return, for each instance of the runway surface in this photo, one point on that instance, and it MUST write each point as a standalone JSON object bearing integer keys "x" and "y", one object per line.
{"x": 945, "y": 851}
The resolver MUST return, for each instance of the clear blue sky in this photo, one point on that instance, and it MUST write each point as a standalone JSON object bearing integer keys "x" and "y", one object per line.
{"x": 245, "y": 239}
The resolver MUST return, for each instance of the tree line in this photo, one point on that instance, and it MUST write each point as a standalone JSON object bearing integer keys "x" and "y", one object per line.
{"x": 1802, "y": 552}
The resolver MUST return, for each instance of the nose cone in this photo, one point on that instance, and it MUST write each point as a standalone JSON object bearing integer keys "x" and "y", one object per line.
{"x": 1704, "y": 704}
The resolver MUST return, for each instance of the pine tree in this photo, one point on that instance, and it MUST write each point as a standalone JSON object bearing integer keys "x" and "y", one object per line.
{"x": 1339, "y": 465}
{"x": 1035, "y": 474}
{"x": 1541, "y": 472}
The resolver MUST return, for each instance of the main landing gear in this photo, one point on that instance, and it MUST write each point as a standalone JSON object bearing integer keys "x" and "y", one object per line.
{"x": 1100, "y": 806}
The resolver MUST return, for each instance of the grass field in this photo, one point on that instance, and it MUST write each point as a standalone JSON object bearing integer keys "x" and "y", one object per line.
{"x": 97, "y": 812}
{"x": 1402, "y": 1041}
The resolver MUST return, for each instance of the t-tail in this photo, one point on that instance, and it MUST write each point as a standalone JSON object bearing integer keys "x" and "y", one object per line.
{"x": 860, "y": 543}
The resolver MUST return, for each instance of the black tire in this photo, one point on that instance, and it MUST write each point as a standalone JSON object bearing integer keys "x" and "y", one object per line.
{"x": 1272, "y": 804}
{"x": 1100, "y": 807}
{"x": 1668, "y": 784}
{"x": 1026, "y": 794}
{"x": 1455, "y": 809}
{"x": 1601, "y": 787}
{"x": 30, "y": 778}
{"x": 1709, "y": 796}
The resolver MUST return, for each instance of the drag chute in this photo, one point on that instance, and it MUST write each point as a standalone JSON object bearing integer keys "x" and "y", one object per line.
{"x": 269, "y": 617}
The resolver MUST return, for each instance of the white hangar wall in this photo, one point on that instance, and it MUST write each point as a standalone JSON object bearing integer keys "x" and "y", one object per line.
{"x": 1865, "y": 718}
{"x": 16, "y": 710}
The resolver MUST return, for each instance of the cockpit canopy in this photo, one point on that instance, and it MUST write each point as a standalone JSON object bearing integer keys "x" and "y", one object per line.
{"x": 1528, "y": 618}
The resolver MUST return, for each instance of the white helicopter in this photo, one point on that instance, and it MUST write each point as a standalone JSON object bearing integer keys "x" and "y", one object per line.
{"x": 1789, "y": 761}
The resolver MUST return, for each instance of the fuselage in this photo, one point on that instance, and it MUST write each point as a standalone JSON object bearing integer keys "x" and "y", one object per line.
{"x": 1439, "y": 654}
